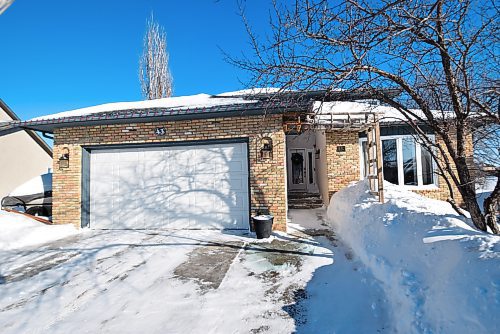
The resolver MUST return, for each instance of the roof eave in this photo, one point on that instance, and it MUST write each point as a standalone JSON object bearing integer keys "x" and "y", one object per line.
{"x": 48, "y": 126}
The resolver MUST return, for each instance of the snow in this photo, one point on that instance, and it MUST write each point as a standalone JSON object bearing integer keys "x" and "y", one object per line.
{"x": 439, "y": 274}
{"x": 263, "y": 217}
{"x": 484, "y": 187}
{"x": 191, "y": 101}
{"x": 386, "y": 114}
{"x": 252, "y": 91}
{"x": 125, "y": 281}
{"x": 411, "y": 265}
{"x": 18, "y": 231}
{"x": 36, "y": 185}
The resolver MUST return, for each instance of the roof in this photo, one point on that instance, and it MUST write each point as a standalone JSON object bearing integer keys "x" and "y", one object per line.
{"x": 241, "y": 103}
{"x": 32, "y": 134}
{"x": 339, "y": 110}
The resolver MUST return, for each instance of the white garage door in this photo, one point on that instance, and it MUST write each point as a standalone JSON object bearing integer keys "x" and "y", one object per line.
{"x": 199, "y": 186}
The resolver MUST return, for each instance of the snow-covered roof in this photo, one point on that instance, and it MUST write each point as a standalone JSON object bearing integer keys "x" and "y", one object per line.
{"x": 191, "y": 101}
{"x": 256, "y": 101}
{"x": 343, "y": 109}
{"x": 38, "y": 184}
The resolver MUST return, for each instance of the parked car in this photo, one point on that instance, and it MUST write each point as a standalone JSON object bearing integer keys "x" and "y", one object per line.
{"x": 33, "y": 197}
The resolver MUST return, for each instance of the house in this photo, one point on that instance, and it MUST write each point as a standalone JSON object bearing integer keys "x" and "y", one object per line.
{"x": 24, "y": 155}
{"x": 208, "y": 161}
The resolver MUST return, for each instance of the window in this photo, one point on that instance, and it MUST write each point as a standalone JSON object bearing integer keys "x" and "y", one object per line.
{"x": 389, "y": 156}
{"x": 405, "y": 161}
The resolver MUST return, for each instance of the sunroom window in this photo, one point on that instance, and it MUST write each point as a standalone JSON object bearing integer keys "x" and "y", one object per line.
{"x": 405, "y": 161}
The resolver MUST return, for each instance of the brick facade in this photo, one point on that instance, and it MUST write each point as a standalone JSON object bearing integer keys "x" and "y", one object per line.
{"x": 344, "y": 167}
{"x": 267, "y": 177}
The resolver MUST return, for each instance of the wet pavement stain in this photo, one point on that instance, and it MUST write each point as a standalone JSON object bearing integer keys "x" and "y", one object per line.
{"x": 278, "y": 253}
{"x": 208, "y": 265}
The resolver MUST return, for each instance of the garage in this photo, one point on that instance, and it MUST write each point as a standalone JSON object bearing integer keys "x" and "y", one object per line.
{"x": 197, "y": 185}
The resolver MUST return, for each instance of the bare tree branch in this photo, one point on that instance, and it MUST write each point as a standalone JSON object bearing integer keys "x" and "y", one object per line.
{"x": 154, "y": 74}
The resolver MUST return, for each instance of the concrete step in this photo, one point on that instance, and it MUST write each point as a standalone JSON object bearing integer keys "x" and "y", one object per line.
{"x": 304, "y": 206}
{"x": 304, "y": 200}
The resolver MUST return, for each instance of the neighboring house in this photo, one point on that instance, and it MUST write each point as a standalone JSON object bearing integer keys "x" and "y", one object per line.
{"x": 23, "y": 155}
{"x": 214, "y": 161}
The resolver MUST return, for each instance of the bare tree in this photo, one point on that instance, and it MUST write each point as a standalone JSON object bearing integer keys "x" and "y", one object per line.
{"x": 4, "y": 4}
{"x": 440, "y": 54}
{"x": 154, "y": 74}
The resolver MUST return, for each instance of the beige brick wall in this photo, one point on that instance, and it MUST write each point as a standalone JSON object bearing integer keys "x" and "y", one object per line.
{"x": 267, "y": 177}
{"x": 344, "y": 167}
{"x": 442, "y": 193}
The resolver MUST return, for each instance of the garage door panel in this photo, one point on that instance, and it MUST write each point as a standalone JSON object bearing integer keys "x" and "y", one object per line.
{"x": 170, "y": 187}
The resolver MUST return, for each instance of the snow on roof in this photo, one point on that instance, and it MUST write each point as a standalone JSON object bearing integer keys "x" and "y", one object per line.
{"x": 252, "y": 91}
{"x": 36, "y": 185}
{"x": 386, "y": 114}
{"x": 192, "y": 101}
{"x": 339, "y": 108}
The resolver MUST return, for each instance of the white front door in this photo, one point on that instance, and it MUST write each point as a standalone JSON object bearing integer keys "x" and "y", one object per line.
{"x": 297, "y": 169}
{"x": 192, "y": 186}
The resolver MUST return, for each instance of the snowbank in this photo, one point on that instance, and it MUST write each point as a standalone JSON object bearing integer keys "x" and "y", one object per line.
{"x": 439, "y": 274}
{"x": 484, "y": 188}
{"x": 17, "y": 231}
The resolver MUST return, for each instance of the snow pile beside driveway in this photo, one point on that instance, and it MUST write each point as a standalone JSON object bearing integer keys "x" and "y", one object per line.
{"x": 18, "y": 231}
{"x": 439, "y": 274}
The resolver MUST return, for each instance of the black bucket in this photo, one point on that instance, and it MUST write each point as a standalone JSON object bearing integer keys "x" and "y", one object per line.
{"x": 263, "y": 225}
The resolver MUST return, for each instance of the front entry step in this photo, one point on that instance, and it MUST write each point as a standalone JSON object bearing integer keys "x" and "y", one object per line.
{"x": 304, "y": 200}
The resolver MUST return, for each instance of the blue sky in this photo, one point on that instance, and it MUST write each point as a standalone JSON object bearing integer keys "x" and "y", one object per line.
{"x": 59, "y": 55}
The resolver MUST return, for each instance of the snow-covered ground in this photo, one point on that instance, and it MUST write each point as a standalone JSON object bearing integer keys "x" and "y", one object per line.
{"x": 195, "y": 281}
{"x": 18, "y": 231}
{"x": 410, "y": 265}
{"x": 438, "y": 274}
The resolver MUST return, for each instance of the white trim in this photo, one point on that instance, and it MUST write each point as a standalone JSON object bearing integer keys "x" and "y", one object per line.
{"x": 399, "y": 158}
{"x": 399, "y": 148}
{"x": 311, "y": 187}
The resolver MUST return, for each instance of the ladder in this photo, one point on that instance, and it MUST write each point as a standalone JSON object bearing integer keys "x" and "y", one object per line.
{"x": 374, "y": 152}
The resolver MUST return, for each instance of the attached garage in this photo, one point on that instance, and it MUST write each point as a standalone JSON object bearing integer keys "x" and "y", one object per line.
{"x": 188, "y": 185}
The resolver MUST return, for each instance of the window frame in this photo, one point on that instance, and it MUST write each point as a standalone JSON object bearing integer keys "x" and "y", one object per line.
{"x": 399, "y": 153}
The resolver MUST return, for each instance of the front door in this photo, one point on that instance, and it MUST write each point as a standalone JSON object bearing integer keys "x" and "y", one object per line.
{"x": 297, "y": 179}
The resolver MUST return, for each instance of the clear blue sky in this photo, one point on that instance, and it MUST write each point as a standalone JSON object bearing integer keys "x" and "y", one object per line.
{"x": 59, "y": 55}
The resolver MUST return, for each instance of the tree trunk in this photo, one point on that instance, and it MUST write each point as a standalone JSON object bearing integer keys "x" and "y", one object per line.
{"x": 468, "y": 192}
{"x": 491, "y": 205}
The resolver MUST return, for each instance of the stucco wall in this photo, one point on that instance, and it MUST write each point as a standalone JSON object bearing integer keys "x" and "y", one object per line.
{"x": 21, "y": 159}
{"x": 267, "y": 177}
{"x": 322, "y": 167}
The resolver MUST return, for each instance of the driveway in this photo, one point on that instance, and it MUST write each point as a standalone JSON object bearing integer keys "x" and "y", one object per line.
{"x": 197, "y": 281}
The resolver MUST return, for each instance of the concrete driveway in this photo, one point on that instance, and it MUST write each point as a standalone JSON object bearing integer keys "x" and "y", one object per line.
{"x": 124, "y": 281}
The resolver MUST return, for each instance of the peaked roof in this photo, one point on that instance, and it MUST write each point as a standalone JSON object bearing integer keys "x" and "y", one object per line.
{"x": 241, "y": 103}
{"x": 31, "y": 133}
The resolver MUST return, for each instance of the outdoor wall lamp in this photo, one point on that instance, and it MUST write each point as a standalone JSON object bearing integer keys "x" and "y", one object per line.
{"x": 317, "y": 153}
{"x": 64, "y": 158}
{"x": 266, "y": 151}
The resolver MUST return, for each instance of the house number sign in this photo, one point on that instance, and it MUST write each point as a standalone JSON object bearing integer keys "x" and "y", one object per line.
{"x": 160, "y": 131}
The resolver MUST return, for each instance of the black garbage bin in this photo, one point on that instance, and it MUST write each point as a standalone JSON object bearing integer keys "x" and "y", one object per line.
{"x": 263, "y": 225}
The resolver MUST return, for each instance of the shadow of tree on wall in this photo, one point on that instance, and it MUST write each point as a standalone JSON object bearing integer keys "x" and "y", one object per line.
{"x": 189, "y": 191}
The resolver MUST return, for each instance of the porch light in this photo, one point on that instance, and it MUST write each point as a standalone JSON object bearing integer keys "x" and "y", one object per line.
{"x": 64, "y": 158}
{"x": 266, "y": 151}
